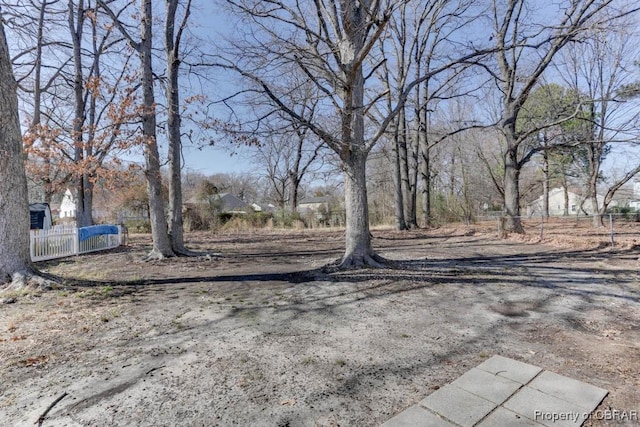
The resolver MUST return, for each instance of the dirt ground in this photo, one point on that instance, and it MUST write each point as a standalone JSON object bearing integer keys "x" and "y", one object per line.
{"x": 264, "y": 336}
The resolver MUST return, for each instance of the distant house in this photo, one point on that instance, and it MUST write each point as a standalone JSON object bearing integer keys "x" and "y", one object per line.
{"x": 634, "y": 202}
{"x": 222, "y": 202}
{"x": 578, "y": 205}
{"x": 263, "y": 207}
{"x": 68, "y": 205}
{"x": 314, "y": 204}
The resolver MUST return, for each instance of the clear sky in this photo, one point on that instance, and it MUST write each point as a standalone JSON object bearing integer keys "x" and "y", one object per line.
{"x": 210, "y": 23}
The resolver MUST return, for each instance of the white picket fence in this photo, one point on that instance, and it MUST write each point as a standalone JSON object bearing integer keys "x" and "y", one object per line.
{"x": 63, "y": 241}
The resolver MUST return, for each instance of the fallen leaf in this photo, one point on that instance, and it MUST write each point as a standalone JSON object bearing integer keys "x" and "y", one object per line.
{"x": 33, "y": 361}
{"x": 288, "y": 402}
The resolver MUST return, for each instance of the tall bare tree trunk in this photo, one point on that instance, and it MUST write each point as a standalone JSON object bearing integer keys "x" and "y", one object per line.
{"x": 545, "y": 184}
{"x": 359, "y": 251}
{"x": 15, "y": 260}
{"x": 398, "y": 200}
{"x": 172, "y": 44}
{"x": 512, "y": 190}
{"x": 76, "y": 26}
{"x": 161, "y": 243}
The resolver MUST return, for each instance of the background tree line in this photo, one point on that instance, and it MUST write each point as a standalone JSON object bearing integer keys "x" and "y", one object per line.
{"x": 465, "y": 105}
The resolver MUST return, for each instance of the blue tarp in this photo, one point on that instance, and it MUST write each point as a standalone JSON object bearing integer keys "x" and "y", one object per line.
{"x": 85, "y": 233}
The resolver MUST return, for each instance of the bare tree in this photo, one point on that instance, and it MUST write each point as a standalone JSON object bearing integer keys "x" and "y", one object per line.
{"x": 332, "y": 43}
{"x": 599, "y": 68}
{"x": 172, "y": 42}
{"x": 161, "y": 242}
{"x": 525, "y": 51}
{"x": 339, "y": 39}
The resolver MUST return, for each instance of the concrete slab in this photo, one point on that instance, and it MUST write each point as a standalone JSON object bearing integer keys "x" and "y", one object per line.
{"x": 582, "y": 394}
{"x": 546, "y": 409}
{"x": 458, "y": 405}
{"x": 503, "y": 417}
{"x": 510, "y": 369}
{"x": 504, "y": 392}
{"x": 417, "y": 416}
{"x": 491, "y": 387}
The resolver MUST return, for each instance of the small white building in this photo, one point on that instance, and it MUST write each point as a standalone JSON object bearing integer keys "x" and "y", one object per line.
{"x": 634, "y": 203}
{"x": 557, "y": 204}
{"x": 68, "y": 205}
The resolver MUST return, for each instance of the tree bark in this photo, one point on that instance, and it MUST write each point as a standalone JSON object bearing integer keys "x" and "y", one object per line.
{"x": 354, "y": 154}
{"x": 512, "y": 191}
{"x": 15, "y": 259}
{"x": 172, "y": 43}
{"x": 545, "y": 184}
{"x": 397, "y": 183}
{"x": 76, "y": 26}
{"x": 161, "y": 242}
{"x": 359, "y": 251}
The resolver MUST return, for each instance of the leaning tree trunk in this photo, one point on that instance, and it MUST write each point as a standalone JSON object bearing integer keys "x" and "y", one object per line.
{"x": 159, "y": 232}
{"x": 15, "y": 260}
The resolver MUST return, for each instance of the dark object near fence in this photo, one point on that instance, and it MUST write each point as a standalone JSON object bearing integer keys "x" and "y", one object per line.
{"x": 40, "y": 214}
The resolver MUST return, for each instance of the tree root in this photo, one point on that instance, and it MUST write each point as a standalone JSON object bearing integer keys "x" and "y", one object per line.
{"x": 184, "y": 252}
{"x": 371, "y": 260}
{"x": 30, "y": 279}
{"x": 156, "y": 255}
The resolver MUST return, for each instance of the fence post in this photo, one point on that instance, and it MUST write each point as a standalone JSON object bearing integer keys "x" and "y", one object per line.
{"x": 32, "y": 252}
{"x": 611, "y": 224}
{"x": 76, "y": 241}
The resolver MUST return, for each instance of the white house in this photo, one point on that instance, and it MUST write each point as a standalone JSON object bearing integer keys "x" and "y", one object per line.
{"x": 68, "y": 205}
{"x": 634, "y": 203}
{"x": 557, "y": 204}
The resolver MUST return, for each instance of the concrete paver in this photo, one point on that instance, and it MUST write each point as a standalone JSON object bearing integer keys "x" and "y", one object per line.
{"x": 504, "y": 392}
{"x": 458, "y": 405}
{"x": 416, "y": 416}
{"x": 511, "y": 369}
{"x": 492, "y": 387}
{"x": 502, "y": 417}
{"x": 546, "y": 409}
{"x": 577, "y": 392}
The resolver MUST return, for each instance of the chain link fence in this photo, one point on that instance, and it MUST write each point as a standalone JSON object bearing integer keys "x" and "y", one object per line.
{"x": 609, "y": 229}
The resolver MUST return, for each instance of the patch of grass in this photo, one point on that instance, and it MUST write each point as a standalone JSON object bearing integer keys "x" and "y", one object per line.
{"x": 340, "y": 362}
{"x": 404, "y": 336}
{"x": 308, "y": 360}
{"x": 178, "y": 324}
{"x": 106, "y": 290}
{"x": 483, "y": 355}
